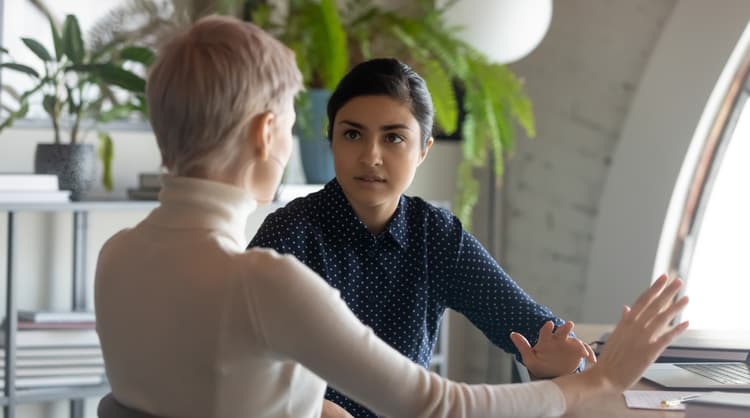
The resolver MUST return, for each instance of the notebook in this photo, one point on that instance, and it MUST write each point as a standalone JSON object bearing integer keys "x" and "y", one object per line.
{"x": 701, "y": 375}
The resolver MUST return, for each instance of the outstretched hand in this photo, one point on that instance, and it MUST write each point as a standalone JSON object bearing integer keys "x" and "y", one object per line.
{"x": 556, "y": 353}
{"x": 641, "y": 335}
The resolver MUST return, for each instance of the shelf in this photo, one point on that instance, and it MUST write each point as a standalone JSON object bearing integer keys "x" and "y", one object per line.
{"x": 57, "y": 393}
{"x": 79, "y": 206}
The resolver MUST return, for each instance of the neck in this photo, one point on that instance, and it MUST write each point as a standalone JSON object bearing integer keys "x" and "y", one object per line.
{"x": 375, "y": 217}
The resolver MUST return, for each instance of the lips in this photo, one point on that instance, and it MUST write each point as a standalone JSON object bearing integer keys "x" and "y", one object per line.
{"x": 370, "y": 178}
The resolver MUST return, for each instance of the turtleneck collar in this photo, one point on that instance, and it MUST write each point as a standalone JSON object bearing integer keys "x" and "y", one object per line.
{"x": 192, "y": 203}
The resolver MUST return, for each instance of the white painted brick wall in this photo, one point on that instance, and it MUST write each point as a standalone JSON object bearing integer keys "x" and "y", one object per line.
{"x": 581, "y": 80}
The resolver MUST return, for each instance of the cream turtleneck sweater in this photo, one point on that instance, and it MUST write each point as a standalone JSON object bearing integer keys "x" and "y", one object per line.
{"x": 192, "y": 325}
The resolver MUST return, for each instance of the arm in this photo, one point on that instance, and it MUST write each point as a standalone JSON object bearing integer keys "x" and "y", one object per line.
{"x": 480, "y": 289}
{"x": 302, "y": 318}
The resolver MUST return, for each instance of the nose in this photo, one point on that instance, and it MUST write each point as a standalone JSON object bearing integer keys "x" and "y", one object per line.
{"x": 371, "y": 155}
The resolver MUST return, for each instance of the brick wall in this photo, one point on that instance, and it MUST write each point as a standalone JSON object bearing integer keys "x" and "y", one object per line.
{"x": 581, "y": 79}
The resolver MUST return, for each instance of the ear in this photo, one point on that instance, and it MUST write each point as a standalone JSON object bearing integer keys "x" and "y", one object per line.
{"x": 425, "y": 150}
{"x": 261, "y": 134}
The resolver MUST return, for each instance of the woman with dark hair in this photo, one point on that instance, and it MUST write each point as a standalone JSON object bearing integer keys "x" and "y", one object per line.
{"x": 399, "y": 261}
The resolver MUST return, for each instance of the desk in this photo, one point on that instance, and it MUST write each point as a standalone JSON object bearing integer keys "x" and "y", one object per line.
{"x": 613, "y": 406}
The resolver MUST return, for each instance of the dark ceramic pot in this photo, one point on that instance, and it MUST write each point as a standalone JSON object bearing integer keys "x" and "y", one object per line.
{"x": 74, "y": 164}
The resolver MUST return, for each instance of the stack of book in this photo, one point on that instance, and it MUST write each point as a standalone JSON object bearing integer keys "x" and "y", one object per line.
{"x": 31, "y": 188}
{"x": 55, "y": 349}
{"x": 149, "y": 186}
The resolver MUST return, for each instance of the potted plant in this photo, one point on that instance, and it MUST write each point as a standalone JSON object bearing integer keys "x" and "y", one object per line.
{"x": 314, "y": 31}
{"x": 76, "y": 84}
{"x": 493, "y": 99}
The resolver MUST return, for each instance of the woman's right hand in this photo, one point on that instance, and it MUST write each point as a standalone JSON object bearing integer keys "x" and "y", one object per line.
{"x": 637, "y": 340}
{"x": 641, "y": 335}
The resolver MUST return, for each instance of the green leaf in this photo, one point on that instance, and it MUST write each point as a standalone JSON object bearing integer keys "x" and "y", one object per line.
{"x": 333, "y": 45}
{"x": 106, "y": 155}
{"x": 138, "y": 54}
{"x": 21, "y": 68}
{"x": 72, "y": 41}
{"x": 468, "y": 191}
{"x": 443, "y": 96}
{"x": 38, "y": 49}
{"x": 120, "y": 77}
{"x": 49, "y": 103}
{"x": 56, "y": 39}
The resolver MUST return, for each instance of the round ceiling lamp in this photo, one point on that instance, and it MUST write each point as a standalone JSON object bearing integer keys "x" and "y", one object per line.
{"x": 504, "y": 30}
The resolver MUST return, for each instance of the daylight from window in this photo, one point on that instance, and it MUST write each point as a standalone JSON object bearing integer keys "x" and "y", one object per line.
{"x": 718, "y": 277}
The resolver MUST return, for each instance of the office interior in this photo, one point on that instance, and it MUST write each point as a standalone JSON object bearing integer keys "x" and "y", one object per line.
{"x": 625, "y": 96}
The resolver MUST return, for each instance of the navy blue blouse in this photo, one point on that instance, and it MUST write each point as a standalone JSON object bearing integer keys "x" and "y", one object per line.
{"x": 400, "y": 281}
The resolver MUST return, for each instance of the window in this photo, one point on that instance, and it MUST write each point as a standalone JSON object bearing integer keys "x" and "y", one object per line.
{"x": 715, "y": 256}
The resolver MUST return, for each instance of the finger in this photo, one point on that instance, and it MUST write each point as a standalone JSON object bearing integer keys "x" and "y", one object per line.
{"x": 545, "y": 332}
{"x": 659, "y": 303}
{"x": 646, "y": 297}
{"x": 664, "y": 317}
{"x": 522, "y": 344}
{"x": 565, "y": 329}
{"x": 626, "y": 313}
{"x": 670, "y": 335}
{"x": 590, "y": 354}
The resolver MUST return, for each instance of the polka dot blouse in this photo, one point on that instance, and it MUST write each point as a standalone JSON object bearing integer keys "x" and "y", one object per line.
{"x": 400, "y": 281}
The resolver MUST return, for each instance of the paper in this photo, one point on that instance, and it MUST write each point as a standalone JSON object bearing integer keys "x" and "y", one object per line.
{"x": 654, "y": 399}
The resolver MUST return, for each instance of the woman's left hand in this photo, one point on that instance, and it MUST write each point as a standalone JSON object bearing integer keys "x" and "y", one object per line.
{"x": 555, "y": 354}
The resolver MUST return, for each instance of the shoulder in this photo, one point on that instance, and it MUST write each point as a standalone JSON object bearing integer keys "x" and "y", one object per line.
{"x": 268, "y": 271}
{"x": 302, "y": 209}
{"x": 436, "y": 219}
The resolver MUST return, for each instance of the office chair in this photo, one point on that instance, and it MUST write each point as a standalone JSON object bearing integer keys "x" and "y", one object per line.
{"x": 110, "y": 408}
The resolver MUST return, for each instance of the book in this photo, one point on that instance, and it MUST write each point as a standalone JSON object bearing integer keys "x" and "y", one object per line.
{"x": 56, "y": 371}
{"x": 54, "y": 338}
{"x": 45, "y": 381}
{"x": 719, "y": 405}
{"x": 705, "y": 345}
{"x": 709, "y": 345}
{"x": 56, "y": 316}
{"x": 45, "y": 362}
{"x": 143, "y": 194}
{"x": 56, "y": 325}
{"x": 149, "y": 181}
{"x": 54, "y": 352}
{"x": 22, "y": 196}
{"x": 22, "y": 182}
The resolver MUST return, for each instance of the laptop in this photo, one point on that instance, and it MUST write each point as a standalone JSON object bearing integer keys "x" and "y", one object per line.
{"x": 701, "y": 375}
{"x": 704, "y": 360}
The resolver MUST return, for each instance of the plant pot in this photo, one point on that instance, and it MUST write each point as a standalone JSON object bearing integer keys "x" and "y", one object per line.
{"x": 315, "y": 149}
{"x": 74, "y": 164}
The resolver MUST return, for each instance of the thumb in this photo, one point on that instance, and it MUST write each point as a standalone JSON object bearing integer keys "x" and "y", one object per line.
{"x": 522, "y": 344}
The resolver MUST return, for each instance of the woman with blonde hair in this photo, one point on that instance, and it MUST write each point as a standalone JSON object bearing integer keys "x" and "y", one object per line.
{"x": 192, "y": 325}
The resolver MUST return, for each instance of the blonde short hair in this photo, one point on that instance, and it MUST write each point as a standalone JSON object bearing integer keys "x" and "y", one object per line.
{"x": 206, "y": 85}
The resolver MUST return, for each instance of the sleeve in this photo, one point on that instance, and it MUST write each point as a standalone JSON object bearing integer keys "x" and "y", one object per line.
{"x": 302, "y": 318}
{"x": 483, "y": 292}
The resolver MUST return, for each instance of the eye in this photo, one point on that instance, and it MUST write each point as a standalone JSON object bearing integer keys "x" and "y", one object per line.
{"x": 351, "y": 134}
{"x": 394, "y": 138}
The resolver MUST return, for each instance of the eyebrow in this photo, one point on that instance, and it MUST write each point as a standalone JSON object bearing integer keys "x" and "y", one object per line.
{"x": 382, "y": 128}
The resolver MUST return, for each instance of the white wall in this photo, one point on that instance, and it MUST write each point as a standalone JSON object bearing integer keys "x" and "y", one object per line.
{"x": 667, "y": 113}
